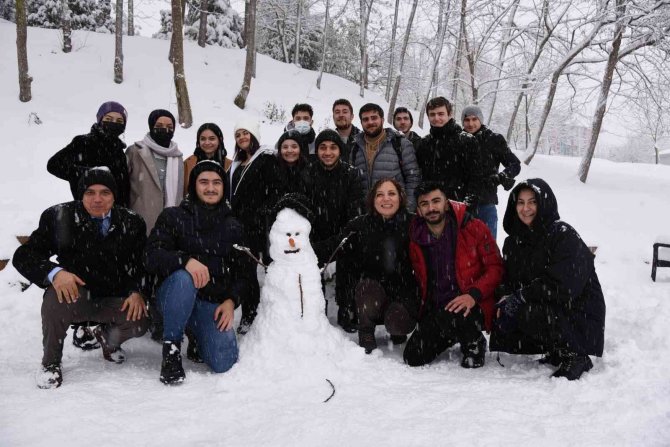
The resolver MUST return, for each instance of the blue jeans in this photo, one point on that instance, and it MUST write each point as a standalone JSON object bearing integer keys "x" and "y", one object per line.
{"x": 181, "y": 308}
{"x": 489, "y": 215}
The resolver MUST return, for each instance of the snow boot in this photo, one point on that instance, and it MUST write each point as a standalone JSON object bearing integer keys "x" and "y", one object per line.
{"x": 573, "y": 365}
{"x": 49, "y": 376}
{"x": 83, "y": 337}
{"x": 551, "y": 358}
{"x": 245, "y": 325}
{"x": 111, "y": 354}
{"x": 172, "y": 373}
{"x": 474, "y": 353}
{"x": 367, "y": 341}
{"x": 347, "y": 320}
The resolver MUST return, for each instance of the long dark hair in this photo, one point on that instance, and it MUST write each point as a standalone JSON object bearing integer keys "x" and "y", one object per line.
{"x": 370, "y": 199}
{"x": 220, "y": 154}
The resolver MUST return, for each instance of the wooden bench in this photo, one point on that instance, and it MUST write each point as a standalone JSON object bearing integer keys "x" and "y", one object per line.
{"x": 658, "y": 262}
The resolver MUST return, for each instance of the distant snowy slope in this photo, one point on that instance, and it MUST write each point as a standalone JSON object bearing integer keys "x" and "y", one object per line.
{"x": 622, "y": 401}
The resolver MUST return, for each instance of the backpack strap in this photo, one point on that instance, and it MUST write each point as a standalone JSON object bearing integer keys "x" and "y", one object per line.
{"x": 396, "y": 142}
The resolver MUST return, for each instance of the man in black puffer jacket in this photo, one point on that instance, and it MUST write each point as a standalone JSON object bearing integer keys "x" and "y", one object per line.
{"x": 97, "y": 276}
{"x": 337, "y": 197}
{"x": 494, "y": 152}
{"x": 449, "y": 155}
{"x": 202, "y": 277}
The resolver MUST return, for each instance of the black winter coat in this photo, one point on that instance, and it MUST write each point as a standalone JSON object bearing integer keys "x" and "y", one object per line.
{"x": 336, "y": 197}
{"x": 290, "y": 179}
{"x": 379, "y": 249}
{"x": 494, "y": 152}
{"x": 552, "y": 268}
{"x": 350, "y": 143}
{"x": 451, "y": 156}
{"x": 414, "y": 138}
{"x": 192, "y": 230}
{"x": 111, "y": 266}
{"x": 87, "y": 151}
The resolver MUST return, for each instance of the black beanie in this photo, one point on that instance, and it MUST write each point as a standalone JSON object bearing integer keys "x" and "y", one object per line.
{"x": 99, "y": 175}
{"x": 329, "y": 135}
{"x": 289, "y": 135}
{"x": 199, "y": 168}
{"x": 153, "y": 117}
{"x": 297, "y": 202}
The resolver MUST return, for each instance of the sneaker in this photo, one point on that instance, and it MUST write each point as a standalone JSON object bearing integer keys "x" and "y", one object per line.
{"x": 474, "y": 353}
{"x": 551, "y": 358}
{"x": 49, "y": 376}
{"x": 245, "y": 325}
{"x": 111, "y": 354}
{"x": 573, "y": 365}
{"x": 347, "y": 320}
{"x": 398, "y": 339}
{"x": 367, "y": 341}
{"x": 83, "y": 337}
{"x": 172, "y": 373}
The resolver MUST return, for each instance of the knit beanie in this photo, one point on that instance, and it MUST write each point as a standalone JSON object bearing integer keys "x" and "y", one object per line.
{"x": 199, "y": 168}
{"x": 473, "y": 110}
{"x": 111, "y": 106}
{"x": 297, "y": 202}
{"x": 288, "y": 135}
{"x": 153, "y": 117}
{"x": 99, "y": 175}
{"x": 329, "y": 135}
{"x": 250, "y": 126}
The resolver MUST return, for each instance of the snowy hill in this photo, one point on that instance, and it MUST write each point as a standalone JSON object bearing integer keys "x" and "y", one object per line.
{"x": 623, "y": 209}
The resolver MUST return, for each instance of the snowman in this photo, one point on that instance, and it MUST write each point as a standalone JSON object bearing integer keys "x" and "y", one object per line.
{"x": 291, "y": 314}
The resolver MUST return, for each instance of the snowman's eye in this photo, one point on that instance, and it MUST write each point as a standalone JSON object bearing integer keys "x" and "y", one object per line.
{"x": 288, "y": 234}
{"x": 297, "y": 234}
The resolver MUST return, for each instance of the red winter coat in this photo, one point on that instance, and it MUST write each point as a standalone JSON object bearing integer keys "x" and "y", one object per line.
{"x": 479, "y": 267}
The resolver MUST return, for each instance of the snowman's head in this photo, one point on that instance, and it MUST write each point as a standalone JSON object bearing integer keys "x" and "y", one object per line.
{"x": 289, "y": 239}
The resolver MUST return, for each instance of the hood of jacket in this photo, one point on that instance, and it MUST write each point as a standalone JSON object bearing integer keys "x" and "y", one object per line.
{"x": 547, "y": 207}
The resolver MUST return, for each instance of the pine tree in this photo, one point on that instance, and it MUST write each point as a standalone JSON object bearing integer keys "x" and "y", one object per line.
{"x": 224, "y": 24}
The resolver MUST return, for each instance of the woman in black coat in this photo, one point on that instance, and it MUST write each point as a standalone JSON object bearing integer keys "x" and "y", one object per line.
{"x": 376, "y": 257}
{"x": 553, "y": 301}
{"x": 292, "y": 166}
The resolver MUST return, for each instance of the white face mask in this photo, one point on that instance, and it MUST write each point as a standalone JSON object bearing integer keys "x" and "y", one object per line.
{"x": 302, "y": 126}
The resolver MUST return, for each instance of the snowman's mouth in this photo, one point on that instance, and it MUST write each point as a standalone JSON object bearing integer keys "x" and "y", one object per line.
{"x": 288, "y": 252}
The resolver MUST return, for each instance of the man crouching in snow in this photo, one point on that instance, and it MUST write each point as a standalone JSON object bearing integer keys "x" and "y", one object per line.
{"x": 98, "y": 275}
{"x": 202, "y": 277}
{"x": 458, "y": 266}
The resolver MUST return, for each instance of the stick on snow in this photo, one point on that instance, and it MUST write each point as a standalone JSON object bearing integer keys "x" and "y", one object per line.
{"x": 331, "y": 394}
{"x": 249, "y": 253}
{"x": 332, "y": 255}
{"x": 302, "y": 301}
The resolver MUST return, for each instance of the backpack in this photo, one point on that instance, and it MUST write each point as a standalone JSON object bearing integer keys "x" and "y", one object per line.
{"x": 396, "y": 142}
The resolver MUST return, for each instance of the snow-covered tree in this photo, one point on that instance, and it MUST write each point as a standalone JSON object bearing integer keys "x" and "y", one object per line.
{"x": 90, "y": 15}
{"x": 224, "y": 24}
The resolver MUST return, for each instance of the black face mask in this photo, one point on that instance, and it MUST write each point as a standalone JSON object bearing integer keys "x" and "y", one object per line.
{"x": 113, "y": 129}
{"x": 162, "y": 135}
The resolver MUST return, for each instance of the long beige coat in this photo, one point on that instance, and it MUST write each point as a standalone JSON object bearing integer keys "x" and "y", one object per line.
{"x": 146, "y": 195}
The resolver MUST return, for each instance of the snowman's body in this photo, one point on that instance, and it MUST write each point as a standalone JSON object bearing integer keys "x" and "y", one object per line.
{"x": 291, "y": 315}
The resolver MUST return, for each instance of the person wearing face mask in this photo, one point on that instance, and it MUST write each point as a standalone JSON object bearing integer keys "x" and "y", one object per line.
{"x": 208, "y": 146}
{"x": 100, "y": 147}
{"x": 156, "y": 168}
{"x": 302, "y": 120}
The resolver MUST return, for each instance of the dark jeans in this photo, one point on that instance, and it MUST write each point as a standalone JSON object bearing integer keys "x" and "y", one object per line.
{"x": 375, "y": 307}
{"x": 56, "y": 317}
{"x": 440, "y": 329}
{"x": 489, "y": 215}
{"x": 181, "y": 308}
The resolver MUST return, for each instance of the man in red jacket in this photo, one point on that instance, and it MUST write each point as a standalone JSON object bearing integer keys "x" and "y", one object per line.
{"x": 458, "y": 266}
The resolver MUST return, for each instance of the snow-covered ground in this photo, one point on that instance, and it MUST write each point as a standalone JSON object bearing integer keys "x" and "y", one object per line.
{"x": 622, "y": 209}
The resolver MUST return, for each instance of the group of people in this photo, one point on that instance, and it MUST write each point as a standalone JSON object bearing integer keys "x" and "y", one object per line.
{"x": 406, "y": 224}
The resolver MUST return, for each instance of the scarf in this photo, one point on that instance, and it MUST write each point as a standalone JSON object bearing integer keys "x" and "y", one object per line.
{"x": 174, "y": 163}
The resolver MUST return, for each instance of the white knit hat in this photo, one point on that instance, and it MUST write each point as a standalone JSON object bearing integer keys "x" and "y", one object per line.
{"x": 251, "y": 126}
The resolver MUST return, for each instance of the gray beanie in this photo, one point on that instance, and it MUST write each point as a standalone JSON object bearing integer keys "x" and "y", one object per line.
{"x": 472, "y": 110}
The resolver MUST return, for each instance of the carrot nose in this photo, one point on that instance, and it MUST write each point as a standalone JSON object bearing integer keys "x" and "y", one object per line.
{"x": 291, "y": 242}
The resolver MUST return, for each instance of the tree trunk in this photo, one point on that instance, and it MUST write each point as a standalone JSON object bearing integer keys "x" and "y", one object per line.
{"x": 459, "y": 54}
{"x": 507, "y": 36}
{"x": 363, "y": 44}
{"x": 173, "y": 41}
{"x": 118, "y": 56}
{"x": 389, "y": 77}
{"x": 67, "y": 27}
{"x": 403, "y": 52}
{"x": 241, "y": 98}
{"x": 202, "y": 30}
{"x": 25, "y": 80}
{"x": 296, "y": 53}
{"x": 131, "y": 18}
{"x": 604, "y": 92}
{"x": 323, "y": 49}
{"x": 183, "y": 103}
{"x": 442, "y": 28}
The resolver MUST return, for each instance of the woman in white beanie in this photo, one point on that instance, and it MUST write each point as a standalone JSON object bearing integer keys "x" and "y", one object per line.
{"x": 250, "y": 188}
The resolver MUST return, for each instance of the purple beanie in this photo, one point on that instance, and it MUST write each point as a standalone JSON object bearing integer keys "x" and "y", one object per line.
{"x": 111, "y": 106}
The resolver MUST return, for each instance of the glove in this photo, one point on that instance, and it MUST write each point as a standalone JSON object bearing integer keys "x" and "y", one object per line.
{"x": 505, "y": 181}
{"x": 329, "y": 271}
{"x": 509, "y": 307}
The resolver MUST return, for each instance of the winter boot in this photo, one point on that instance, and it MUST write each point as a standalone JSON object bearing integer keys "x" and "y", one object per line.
{"x": 245, "y": 325}
{"x": 49, "y": 376}
{"x": 551, "y": 358}
{"x": 192, "y": 352}
{"x": 366, "y": 340}
{"x": 573, "y": 365}
{"x": 474, "y": 353}
{"x": 172, "y": 373}
{"x": 111, "y": 354}
{"x": 83, "y": 337}
{"x": 398, "y": 339}
{"x": 347, "y": 320}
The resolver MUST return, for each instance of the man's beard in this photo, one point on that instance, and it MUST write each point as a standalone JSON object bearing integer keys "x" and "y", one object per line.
{"x": 339, "y": 127}
{"x": 440, "y": 219}
{"x": 375, "y": 134}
